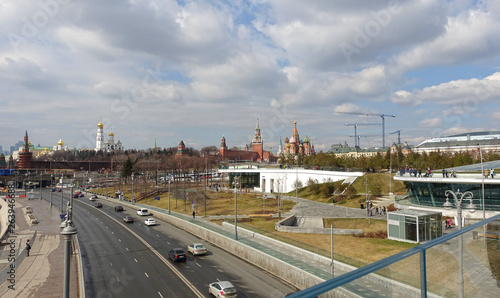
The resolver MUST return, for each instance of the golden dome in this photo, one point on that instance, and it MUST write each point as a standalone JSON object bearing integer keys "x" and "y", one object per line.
{"x": 61, "y": 143}
{"x": 111, "y": 134}
{"x": 100, "y": 125}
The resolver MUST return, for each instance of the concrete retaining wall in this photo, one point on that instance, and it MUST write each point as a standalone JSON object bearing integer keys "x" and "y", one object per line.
{"x": 4, "y": 217}
{"x": 287, "y": 225}
{"x": 291, "y": 274}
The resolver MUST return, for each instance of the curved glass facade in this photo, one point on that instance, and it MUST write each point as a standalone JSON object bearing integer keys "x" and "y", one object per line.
{"x": 433, "y": 194}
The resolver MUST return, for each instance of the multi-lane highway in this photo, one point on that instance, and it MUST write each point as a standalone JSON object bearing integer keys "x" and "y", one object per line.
{"x": 131, "y": 260}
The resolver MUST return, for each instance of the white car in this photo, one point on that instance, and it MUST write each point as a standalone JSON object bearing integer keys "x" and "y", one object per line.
{"x": 197, "y": 249}
{"x": 143, "y": 212}
{"x": 93, "y": 198}
{"x": 150, "y": 222}
{"x": 222, "y": 289}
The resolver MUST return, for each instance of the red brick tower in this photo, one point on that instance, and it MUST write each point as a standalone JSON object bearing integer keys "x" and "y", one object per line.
{"x": 257, "y": 145}
{"x": 25, "y": 155}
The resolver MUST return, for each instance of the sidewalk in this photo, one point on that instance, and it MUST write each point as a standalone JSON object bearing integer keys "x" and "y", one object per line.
{"x": 41, "y": 274}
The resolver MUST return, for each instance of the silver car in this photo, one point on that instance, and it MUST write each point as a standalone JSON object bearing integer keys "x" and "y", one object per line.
{"x": 222, "y": 289}
{"x": 197, "y": 249}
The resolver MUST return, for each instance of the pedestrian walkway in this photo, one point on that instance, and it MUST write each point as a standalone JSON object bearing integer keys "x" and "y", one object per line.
{"x": 41, "y": 273}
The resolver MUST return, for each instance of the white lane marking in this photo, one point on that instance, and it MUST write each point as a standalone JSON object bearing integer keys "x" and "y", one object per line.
{"x": 198, "y": 265}
{"x": 165, "y": 261}
{"x": 119, "y": 240}
{"x": 146, "y": 274}
{"x": 107, "y": 227}
{"x": 111, "y": 264}
{"x": 126, "y": 248}
{"x": 113, "y": 233}
{"x": 118, "y": 279}
{"x": 136, "y": 260}
{"x": 157, "y": 236}
{"x": 160, "y": 294}
{"x": 168, "y": 243}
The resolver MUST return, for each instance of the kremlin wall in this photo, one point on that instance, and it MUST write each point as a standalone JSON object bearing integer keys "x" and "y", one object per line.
{"x": 254, "y": 152}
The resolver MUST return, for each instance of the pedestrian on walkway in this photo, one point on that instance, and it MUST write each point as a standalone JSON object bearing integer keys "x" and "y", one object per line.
{"x": 492, "y": 173}
{"x": 194, "y": 213}
{"x": 28, "y": 248}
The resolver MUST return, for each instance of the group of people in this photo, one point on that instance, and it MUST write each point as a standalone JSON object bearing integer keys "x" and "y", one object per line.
{"x": 453, "y": 173}
{"x": 489, "y": 172}
{"x": 378, "y": 210}
{"x": 415, "y": 172}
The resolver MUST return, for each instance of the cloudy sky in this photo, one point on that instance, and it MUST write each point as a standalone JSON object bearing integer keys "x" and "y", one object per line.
{"x": 199, "y": 70}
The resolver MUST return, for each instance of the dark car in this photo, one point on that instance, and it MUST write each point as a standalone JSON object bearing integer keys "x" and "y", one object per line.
{"x": 98, "y": 205}
{"x": 53, "y": 190}
{"x": 128, "y": 219}
{"x": 118, "y": 208}
{"x": 177, "y": 255}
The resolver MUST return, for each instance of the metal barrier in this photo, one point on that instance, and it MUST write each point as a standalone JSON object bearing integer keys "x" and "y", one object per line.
{"x": 433, "y": 267}
{"x": 8, "y": 273}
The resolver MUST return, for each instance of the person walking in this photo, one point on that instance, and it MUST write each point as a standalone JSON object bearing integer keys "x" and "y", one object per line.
{"x": 194, "y": 214}
{"x": 28, "y": 248}
{"x": 492, "y": 173}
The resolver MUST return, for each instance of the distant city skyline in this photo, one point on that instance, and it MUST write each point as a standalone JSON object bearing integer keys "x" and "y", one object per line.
{"x": 199, "y": 70}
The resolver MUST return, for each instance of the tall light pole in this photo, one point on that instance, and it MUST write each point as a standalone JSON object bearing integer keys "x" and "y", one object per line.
{"x": 390, "y": 171}
{"x": 297, "y": 185}
{"x": 62, "y": 191}
{"x": 458, "y": 198}
{"x": 51, "y": 187}
{"x": 169, "y": 195}
{"x": 68, "y": 232}
{"x": 235, "y": 209}
{"x": 482, "y": 182}
{"x": 366, "y": 201}
{"x": 132, "y": 199}
{"x": 41, "y": 173}
{"x": 107, "y": 180}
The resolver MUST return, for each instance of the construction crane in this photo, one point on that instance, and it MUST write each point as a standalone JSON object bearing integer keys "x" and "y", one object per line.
{"x": 378, "y": 115}
{"x": 361, "y": 136}
{"x": 355, "y": 130}
{"x": 399, "y": 135}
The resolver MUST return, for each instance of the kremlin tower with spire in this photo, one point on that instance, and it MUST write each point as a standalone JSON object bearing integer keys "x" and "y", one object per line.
{"x": 25, "y": 155}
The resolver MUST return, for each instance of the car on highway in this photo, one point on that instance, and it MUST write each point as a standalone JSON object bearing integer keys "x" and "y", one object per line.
{"x": 177, "y": 255}
{"x": 98, "y": 205}
{"x": 143, "y": 212}
{"x": 150, "y": 222}
{"x": 197, "y": 249}
{"x": 53, "y": 189}
{"x": 93, "y": 198}
{"x": 118, "y": 208}
{"x": 78, "y": 195}
{"x": 128, "y": 219}
{"x": 222, "y": 289}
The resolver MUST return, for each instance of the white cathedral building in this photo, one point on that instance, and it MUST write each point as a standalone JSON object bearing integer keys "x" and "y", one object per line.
{"x": 110, "y": 145}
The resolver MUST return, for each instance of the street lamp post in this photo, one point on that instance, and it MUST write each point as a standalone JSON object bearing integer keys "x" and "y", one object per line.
{"x": 169, "y": 195}
{"x": 62, "y": 191}
{"x": 458, "y": 198}
{"x": 41, "y": 173}
{"x": 390, "y": 172}
{"x": 235, "y": 209}
{"x": 132, "y": 199}
{"x": 107, "y": 179}
{"x": 68, "y": 232}
{"x": 51, "y": 186}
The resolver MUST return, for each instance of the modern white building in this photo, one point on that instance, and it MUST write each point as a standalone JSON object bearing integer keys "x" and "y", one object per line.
{"x": 272, "y": 180}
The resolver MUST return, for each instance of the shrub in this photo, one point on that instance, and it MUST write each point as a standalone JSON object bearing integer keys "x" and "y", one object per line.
{"x": 327, "y": 189}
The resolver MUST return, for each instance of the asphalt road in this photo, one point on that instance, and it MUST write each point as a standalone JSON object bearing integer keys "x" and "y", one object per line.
{"x": 131, "y": 260}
